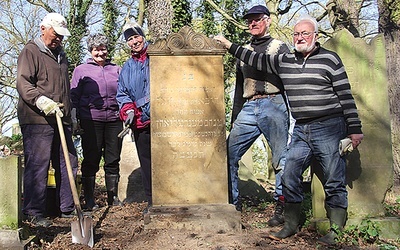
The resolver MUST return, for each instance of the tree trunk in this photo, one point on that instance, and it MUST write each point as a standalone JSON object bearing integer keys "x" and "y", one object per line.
{"x": 391, "y": 31}
{"x": 344, "y": 14}
{"x": 160, "y": 14}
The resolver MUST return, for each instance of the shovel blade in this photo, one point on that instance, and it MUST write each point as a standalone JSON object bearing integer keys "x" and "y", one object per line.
{"x": 82, "y": 231}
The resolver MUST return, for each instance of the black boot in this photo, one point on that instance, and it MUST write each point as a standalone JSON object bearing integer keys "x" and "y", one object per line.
{"x": 337, "y": 218}
{"x": 88, "y": 183}
{"x": 292, "y": 220}
{"x": 278, "y": 218}
{"x": 112, "y": 190}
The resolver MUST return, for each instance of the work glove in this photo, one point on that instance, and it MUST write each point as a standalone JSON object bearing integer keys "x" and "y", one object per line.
{"x": 48, "y": 106}
{"x": 76, "y": 127}
{"x": 130, "y": 118}
{"x": 345, "y": 146}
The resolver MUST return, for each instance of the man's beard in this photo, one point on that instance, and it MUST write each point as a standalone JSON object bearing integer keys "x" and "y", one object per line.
{"x": 305, "y": 49}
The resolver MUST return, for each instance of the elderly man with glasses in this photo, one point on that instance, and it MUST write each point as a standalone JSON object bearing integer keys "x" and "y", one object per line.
{"x": 321, "y": 101}
{"x": 259, "y": 108}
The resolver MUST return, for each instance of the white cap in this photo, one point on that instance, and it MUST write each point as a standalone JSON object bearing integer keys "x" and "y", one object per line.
{"x": 58, "y": 23}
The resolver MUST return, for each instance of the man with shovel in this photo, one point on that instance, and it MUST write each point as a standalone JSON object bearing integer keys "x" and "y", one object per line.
{"x": 43, "y": 84}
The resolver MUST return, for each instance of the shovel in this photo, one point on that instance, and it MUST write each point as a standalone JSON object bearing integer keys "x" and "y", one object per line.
{"x": 81, "y": 230}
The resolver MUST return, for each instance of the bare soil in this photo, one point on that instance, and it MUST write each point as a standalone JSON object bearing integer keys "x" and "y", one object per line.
{"x": 123, "y": 228}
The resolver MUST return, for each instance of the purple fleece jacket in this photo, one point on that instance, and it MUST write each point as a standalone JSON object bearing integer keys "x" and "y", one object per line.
{"x": 93, "y": 91}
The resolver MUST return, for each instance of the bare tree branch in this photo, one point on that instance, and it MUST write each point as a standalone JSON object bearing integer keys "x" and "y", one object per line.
{"x": 225, "y": 15}
{"x": 42, "y": 4}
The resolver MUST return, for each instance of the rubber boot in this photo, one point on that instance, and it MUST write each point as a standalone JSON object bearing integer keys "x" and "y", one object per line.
{"x": 278, "y": 218}
{"x": 112, "y": 190}
{"x": 292, "y": 215}
{"x": 337, "y": 219}
{"x": 88, "y": 183}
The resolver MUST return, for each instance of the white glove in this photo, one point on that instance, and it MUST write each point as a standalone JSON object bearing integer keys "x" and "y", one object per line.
{"x": 48, "y": 106}
{"x": 345, "y": 146}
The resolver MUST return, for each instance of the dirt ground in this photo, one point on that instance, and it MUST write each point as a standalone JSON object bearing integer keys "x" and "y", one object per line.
{"x": 123, "y": 228}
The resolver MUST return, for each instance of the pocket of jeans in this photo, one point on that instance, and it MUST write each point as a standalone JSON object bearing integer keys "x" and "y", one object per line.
{"x": 277, "y": 99}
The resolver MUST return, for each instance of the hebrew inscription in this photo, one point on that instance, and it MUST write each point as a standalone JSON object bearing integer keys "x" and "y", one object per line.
{"x": 188, "y": 130}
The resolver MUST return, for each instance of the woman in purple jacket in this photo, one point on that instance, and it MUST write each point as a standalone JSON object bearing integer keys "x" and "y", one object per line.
{"x": 93, "y": 94}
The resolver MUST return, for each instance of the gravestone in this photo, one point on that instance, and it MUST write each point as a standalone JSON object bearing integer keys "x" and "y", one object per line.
{"x": 370, "y": 166}
{"x": 189, "y": 162}
{"x": 130, "y": 188}
{"x": 11, "y": 235}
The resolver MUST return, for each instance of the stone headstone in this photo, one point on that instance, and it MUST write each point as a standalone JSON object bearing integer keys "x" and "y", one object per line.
{"x": 130, "y": 187}
{"x": 369, "y": 168}
{"x": 12, "y": 236}
{"x": 188, "y": 136}
{"x": 10, "y": 194}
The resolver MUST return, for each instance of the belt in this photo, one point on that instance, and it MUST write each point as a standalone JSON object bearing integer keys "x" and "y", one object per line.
{"x": 261, "y": 96}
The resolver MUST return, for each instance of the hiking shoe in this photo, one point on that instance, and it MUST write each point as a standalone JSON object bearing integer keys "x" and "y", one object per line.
{"x": 68, "y": 215}
{"x": 38, "y": 220}
{"x": 278, "y": 218}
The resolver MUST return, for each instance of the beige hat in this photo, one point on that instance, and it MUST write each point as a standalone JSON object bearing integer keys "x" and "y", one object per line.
{"x": 58, "y": 23}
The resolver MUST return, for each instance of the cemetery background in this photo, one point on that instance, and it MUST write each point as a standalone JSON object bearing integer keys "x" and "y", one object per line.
{"x": 121, "y": 222}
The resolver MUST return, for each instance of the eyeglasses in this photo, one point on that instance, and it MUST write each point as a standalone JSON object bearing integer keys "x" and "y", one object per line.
{"x": 257, "y": 20}
{"x": 304, "y": 34}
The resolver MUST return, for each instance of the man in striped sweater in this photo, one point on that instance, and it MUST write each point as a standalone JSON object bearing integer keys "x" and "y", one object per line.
{"x": 320, "y": 98}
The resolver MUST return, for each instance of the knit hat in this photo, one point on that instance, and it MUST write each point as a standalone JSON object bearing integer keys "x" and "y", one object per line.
{"x": 58, "y": 23}
{"x": 132, "y": 28}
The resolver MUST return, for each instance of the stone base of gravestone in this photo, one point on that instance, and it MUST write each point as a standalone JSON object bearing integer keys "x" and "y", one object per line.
{"x": 15, "y": 239}
{"x": 219, "y": 218}
{"x": 369, "y": 172}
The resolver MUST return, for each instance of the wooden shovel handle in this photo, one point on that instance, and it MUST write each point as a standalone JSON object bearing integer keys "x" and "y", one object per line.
{"x": 68, "y": 163}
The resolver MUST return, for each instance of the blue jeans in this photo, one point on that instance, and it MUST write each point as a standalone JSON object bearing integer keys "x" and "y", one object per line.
{"x": 267, "y": 116}
{"x": 42, "y": 144}
{"x": 319, "y": 140}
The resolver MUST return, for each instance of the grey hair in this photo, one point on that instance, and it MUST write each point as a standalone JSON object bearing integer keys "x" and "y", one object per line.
{"x": 308, "y": 19}
{"x": 97, "y": 40}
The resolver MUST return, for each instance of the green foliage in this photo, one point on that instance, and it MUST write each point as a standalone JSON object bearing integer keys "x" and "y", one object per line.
{"x": 206, "y": 13}
{"x": 78, "y": 28}
{"x": 182, "y": 14}
{"x": 211, "y": 23}
{"x": 394, "y": 9}
{"x": 16, "y": 138}
{"x": 392, "y": 209}
{"x": 110, "y": 13}
{"x": 387, "y": 247}
{"x": 260, "y": 224}
{"x": 14, "y": 143}
{"x": 260, "y": 157}
{"x": 307, "y": 209}
{"x": 366, "y": 231}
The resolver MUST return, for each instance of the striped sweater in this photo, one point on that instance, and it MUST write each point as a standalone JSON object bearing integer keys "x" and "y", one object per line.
{"x": 317, "y": 86}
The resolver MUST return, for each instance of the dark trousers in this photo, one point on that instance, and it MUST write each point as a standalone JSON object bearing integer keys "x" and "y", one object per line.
{"x": 41, "y": 145}
{"x": 142, "y": 142}
{"x": 101, "y": 139}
